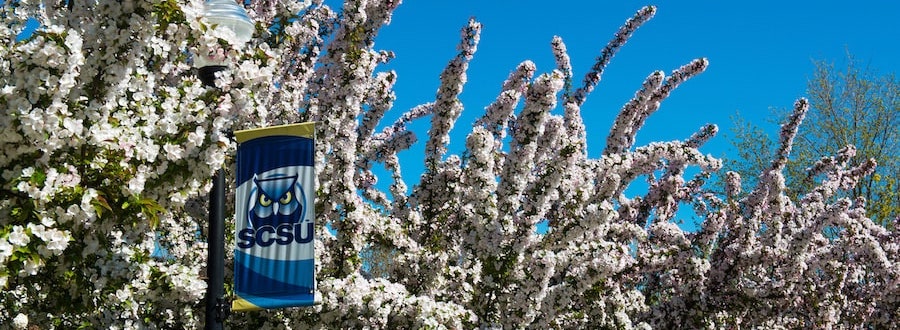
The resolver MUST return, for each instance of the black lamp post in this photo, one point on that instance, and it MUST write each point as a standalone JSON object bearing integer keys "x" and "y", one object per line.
{"x": 216, "y": 306}
{"x": 229, "y": 15}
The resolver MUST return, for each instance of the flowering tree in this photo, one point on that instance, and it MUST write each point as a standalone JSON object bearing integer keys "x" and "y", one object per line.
{"x": 109, "y": 140}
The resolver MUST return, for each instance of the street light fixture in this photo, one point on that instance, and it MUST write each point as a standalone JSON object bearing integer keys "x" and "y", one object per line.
{"x": 227, "y": 15}
{"x": 221, "y": 14}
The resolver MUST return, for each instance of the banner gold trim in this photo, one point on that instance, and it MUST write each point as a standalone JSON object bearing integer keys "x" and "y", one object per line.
{"x": 306, "y": 130}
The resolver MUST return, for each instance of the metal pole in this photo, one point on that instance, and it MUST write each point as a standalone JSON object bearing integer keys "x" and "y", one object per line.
{"x": 215, "y": 267}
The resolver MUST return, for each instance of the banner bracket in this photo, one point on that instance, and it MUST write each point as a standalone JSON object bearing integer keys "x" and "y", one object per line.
{"x": 223, "y": 310}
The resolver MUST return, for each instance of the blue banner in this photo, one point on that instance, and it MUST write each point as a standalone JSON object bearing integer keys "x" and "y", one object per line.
{"x": 274, "y": 231}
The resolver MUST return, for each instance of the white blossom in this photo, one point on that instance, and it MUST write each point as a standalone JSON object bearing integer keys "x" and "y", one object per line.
{"x": 20, "y": 321}
{"x": 6, "y": 249}
{"x": 18, "y": 237}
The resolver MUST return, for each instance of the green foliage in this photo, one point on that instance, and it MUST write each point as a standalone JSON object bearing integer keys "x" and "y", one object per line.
{"x": 850, "y": 106}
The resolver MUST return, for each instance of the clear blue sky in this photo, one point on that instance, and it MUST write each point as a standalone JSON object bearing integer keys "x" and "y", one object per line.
{"x": 760, "y": 55}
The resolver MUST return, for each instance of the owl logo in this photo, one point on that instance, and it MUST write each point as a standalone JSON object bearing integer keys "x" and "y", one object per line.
{"x": 275, "y": 199}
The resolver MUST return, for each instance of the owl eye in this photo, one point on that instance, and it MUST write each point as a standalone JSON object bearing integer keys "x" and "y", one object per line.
{"x": 286, "y": 199}
{"x": 264, "y": 201}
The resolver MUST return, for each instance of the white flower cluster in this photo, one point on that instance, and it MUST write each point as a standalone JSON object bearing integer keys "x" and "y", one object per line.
{"x": 109, "y": 141}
